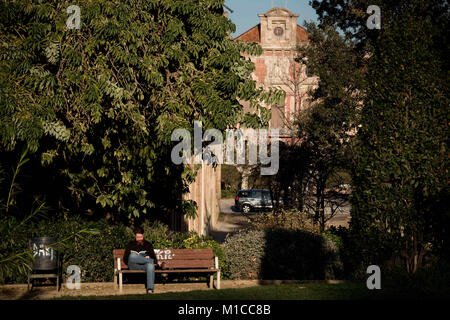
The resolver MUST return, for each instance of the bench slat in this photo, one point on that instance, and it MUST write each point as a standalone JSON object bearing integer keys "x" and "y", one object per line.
{"x": 176, "y": 254}
{"x": 180, "y": 264}
{"x": 189, "y": 264}
{"x": 185, "y": 257}
{"x": 178, "y": 257}
{"x": 187, "y": 270}
{"x": 175, "y": 251}
{"x": 173, "y": 271}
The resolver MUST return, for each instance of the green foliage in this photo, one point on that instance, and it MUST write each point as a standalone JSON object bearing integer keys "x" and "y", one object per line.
{"x": 351, "y": 15}
{"x": 334, "y": 238}
{"x": 10, "y": 201}
{"x": 401, "y": 161}
{"x": 92, "y": 252}
{"x": 15, "y": 258}
{"x": 244, "y": 252}
{"x": 72, "y": 237}
{"x": 281, "y": 254}
{"x": 327, "y": 127}
{"x": 231, "y": 179}
{"x": 158, "y": 234}
{"x": 286, "y": 219}
{"x": 98, "y": 104}
{"x": 292, "y": 177}
{"x": 227, "y": 194}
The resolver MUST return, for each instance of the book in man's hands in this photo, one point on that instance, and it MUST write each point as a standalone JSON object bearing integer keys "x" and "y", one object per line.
{"x": 140, "y": 253}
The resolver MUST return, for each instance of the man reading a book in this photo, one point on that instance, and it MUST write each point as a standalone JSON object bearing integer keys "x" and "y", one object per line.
{"x": 139, "y": 255}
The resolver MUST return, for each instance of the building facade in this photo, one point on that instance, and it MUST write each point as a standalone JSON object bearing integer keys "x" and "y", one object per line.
{"x": 280, "y": 37}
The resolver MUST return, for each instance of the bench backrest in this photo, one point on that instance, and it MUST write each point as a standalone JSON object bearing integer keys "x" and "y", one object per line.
{"x": 176, "y": 258}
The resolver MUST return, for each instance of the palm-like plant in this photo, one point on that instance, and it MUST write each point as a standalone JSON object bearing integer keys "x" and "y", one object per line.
{"x": 15, "y": 256}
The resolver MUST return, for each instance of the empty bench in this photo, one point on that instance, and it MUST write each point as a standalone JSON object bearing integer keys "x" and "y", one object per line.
{"x": 176, "y": 261}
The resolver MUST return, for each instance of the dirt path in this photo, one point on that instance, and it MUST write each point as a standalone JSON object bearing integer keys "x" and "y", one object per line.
{"x": 19, "y": 291}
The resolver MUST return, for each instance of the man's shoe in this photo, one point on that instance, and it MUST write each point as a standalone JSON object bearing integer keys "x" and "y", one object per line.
{"x": 150, "y": 290}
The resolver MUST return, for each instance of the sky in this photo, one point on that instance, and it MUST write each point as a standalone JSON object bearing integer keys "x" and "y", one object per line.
{"x": 245, "y": 15}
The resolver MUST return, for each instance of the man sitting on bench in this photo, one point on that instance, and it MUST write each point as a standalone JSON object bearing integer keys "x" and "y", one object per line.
{"x": 139, "y": 255}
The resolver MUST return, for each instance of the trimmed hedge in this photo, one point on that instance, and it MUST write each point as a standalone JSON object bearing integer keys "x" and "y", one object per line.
{"x": 282, "y": 254}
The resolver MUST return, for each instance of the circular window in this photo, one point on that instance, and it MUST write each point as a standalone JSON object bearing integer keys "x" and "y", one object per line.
{"x": 278, "y": 31}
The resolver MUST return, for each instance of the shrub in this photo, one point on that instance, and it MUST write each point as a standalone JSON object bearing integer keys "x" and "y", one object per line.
{"x": 201, "y": 242}
{"x": 281, "y": 254}
{"x": 287, "y": 219}
{"x": 244, "y": 252}
{"x": 334, "y": 238}
{"x": 158, "y": 234}
{"x": 14, "y": 259}
{"x": 354, "y": 264}
{"x": 93, "y": 252}
{"x": 231, "y": 178}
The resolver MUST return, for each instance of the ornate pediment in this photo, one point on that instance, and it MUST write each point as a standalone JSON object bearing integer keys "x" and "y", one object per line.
{"x": 278, "y": 28}
{"x": 278, "y": 12}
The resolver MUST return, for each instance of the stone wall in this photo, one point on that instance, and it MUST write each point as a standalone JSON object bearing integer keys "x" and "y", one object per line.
{"x": 206, "y": 192}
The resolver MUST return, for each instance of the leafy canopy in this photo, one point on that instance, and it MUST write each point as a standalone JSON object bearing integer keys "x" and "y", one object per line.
{"x": 97, "y": 104}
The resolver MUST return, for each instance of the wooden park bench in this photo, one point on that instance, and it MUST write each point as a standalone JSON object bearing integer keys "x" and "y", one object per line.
{"x": 176, "y": 261}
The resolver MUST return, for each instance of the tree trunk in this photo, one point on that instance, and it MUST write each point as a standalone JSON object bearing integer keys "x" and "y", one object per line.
{"x": 244, "y": 182}
{"x": 246, "y": 172}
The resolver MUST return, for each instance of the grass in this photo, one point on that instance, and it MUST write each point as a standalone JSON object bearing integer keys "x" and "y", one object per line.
{"x": 228, "y": 194}
{"x": 307, "y": 291}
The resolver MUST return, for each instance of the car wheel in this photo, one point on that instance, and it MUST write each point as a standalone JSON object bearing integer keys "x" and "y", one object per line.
{"x": 246, "y": 208}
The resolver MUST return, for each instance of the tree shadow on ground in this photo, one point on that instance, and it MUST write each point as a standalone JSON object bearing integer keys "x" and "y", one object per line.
{"x": 298, "y": 255}
{"x": 37, "y": 290}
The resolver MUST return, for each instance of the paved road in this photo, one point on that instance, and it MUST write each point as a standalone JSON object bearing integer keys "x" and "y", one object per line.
{"x": 230, "y": 220}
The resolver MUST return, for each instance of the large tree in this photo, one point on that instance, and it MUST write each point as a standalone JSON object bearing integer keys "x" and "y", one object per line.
{"x": 327, "y": 127}
{"x": 401, "y": 160}
{"x": 400, "y": 169}
{"x": 97, "y": 105}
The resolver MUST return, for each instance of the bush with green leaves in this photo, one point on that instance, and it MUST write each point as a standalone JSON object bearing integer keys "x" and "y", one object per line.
{"x": 97, "y": 105}
{"x": 281, "y": 254}
{"x": 287, "y": 219}
{"x": 93, "y": 253}
{"x": 231, "y": 181}
{"x": 400, "y": 191}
